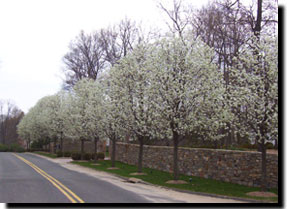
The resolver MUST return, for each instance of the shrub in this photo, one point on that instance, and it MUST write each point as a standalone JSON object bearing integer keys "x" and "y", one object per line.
{"x": 11, "y": 148}
{"x": 269, "y": 145}
{"x": 16, "y": 148}
{"x": 67, "y": 154}
{"x": 101, "y": 155}
{"x": 248, "y": 146}
{"x": 36, "y": 150}
{"x": 76, "y": 156}
{"x": 59, "y": 154}
{"x": 92, "y": 156}
{"x": 87, "y": 156}
{"x": 4, "y": 148}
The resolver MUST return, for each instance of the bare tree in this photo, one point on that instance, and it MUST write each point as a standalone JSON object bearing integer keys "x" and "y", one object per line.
{"x": 91, "y": 54}
{"x": 179, "y": 15}
{"x": 110, "y": 44}
{"x": 226, "y": 25}
{"x": 262, "y": 16}
{"x": 10, "y": 116}
{"x": 118, "y": 40}
{"x": 85, "y": 58}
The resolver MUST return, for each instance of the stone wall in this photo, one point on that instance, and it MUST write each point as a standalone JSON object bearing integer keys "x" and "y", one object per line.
{"x": 230, "y": 166}
{"x": 75, "y": 146}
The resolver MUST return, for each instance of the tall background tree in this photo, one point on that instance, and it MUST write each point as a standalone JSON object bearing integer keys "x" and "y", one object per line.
{"x": 10, "y": 116}
{"x": 92, "y": 54}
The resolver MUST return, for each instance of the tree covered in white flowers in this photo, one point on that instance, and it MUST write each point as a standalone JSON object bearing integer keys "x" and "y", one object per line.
{"x": 34, "y": 125}
{"x": 95, "y": 111}
{"x": 189, "y": 91}
{"x": 131, "y": 95}
{"x": 111, "y": 123}
{"x": 53, "y": 113}
{"x": 23, "y": 129}
{"x": 254, "y": 93}
{"x": 82, "y": 116}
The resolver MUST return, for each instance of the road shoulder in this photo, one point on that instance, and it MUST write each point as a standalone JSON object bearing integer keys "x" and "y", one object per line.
{"x": 146, "y": 188}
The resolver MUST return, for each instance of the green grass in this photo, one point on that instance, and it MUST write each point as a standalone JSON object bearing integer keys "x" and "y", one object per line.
{"x": 47, "y": 154}
{"x": 196, "y": 185}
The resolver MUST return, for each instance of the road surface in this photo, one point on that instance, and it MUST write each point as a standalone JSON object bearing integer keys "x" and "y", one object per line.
{"x": 30, "y": 178}
{"x": 22, "y": 181}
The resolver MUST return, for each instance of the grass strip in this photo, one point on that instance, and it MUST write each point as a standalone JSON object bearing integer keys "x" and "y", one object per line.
{"x": 47, "y": 154}
{"x": 197, "y": 184}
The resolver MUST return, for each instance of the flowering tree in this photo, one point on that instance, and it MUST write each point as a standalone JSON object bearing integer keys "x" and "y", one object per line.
{"x": 111, "y": 123}
{"x": 131, "y": 97}
{"x": 53, "y": 112}
{"x": 34, "y": 125}
{"x": 189, "y": 91}
{"x": 82, "y": 113}
{"x": 254, "y": 93}
{"x": 23, "y": 129}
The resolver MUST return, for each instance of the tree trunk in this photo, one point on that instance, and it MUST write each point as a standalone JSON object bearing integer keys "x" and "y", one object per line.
{"x": 82, "y": 149}
{"x": 113, "y": 152}
{"x": 257, "y": 28}
{"x": 55, "y": 146}
{"x": 263, "y": 167}
{"x": 276, "y": 144}
{"x": 50, "y": 146}
{"x": 61, "y": 141}
{"x": 140, "y": 159}
{"x": 175, "y": 156}
{"x": 258, "y": 145}
{"x": 96, "y": 150}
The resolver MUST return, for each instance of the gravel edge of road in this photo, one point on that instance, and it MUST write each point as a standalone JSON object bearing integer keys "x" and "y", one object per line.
{"x": 147, "y": 183}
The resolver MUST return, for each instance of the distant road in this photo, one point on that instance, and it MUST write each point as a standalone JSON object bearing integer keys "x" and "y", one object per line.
{"x": 26, "y": 178}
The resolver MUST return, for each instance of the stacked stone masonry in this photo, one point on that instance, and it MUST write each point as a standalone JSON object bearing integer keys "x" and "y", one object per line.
{"x": 75, "y": 146}
{"x": 230, "y": 166}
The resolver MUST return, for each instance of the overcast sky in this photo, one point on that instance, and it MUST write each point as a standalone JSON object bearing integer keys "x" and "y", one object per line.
{"x": 35, "y": 34}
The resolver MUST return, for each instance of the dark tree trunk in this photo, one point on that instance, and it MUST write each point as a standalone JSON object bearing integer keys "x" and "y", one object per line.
{"x": 175, "y": 156}
{"x": 258, "y": 145}
{"x": 61, "y": 146}
{"x": 96, "y": 150}
{"x": 55, "y": 146}
{"x": 50, "y": 146}
{"x": 140, "y": 159}
{"x": 263, "y": 167}
{"x": 82, "y": 149}
{"x": 276, "y": 144}
{"x": 215, "y": 144}
{"x": 257, "y": 28}
{"x": 113, "y": 152}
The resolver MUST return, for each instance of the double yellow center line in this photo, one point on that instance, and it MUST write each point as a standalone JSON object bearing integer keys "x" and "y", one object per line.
{"x": 62, "y": 188}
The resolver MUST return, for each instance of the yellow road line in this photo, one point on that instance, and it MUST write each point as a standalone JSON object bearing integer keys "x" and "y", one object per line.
{"x": 54, "y": 181}
{"x": 59, "y": 183}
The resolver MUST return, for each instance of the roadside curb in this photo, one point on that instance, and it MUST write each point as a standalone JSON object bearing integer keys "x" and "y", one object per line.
{"x": 48, "y": 158}
{"x": 127, "y": 179}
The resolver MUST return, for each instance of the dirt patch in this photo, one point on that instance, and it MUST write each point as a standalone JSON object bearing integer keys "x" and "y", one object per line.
{"x": 112, "y": 168}
{"x": 262, "y": 194}
{"x": 176, "y": 182}
{"x": 272, "y": 151}
{"x": 138, "y": 174}
{"x": 96, "y": 164}
{"x": 134, "y": 180}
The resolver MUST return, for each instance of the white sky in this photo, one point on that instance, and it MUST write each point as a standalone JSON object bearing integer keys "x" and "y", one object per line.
{"x": 35, "y": 34}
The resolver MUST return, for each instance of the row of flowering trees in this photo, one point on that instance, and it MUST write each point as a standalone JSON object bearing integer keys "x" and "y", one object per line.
{"x": 166, "y": 90}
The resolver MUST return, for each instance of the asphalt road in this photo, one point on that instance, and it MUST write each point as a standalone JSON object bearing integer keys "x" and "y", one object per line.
{"x": 32, "y": 179}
